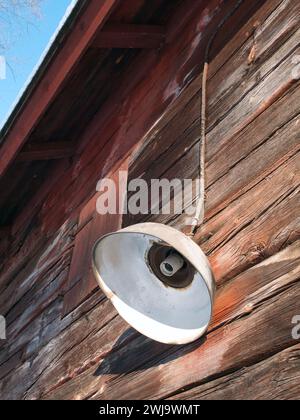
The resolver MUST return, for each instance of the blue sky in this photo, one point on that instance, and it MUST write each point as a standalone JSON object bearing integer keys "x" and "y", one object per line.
{"x": 28, "y": 44}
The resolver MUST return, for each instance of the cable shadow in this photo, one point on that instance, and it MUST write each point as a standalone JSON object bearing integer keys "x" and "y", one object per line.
{"x": 133, "y": 352}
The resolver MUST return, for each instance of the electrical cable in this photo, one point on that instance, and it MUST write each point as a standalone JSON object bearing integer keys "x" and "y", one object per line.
{"x": 200, "y": 209}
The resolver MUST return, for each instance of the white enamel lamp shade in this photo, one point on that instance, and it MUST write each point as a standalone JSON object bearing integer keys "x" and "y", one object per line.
{"x": 163, "y": 313}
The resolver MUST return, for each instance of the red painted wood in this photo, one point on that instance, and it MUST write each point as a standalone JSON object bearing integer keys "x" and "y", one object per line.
{"x": 92, "y": 226}
{"x": 82, "y": 34}
{"x": 130, "y": 36}
{"x": 5, "y": 232}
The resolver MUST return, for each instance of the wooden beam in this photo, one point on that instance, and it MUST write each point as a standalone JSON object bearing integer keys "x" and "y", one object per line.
{"x": 130, "y": 36}
{"x": 46, "y": 151}
{"x": 85, "y": 28}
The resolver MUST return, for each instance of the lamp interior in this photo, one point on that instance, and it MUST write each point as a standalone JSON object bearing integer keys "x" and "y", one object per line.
{"x": 127, "y": 266}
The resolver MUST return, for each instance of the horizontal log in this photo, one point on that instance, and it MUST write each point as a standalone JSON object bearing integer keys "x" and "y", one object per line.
{"x": 276, "y": 378}
{"x": 262, "y": 281}
{"x": 46, "y": 151}
{"x": 236, "y": 168}
{"x": 82, "y": 282}
{"x": 33, "y": 322}
{"x": 249, "y": 340}
{"x": 29, "y": 270}
{"x": 266, "y": 235}
{"x": 90, "y": 359}
{"x": 117, "y": 35}
{"x": 265, "y": 215}
{"x": 15, "y": 386}
{"x": 174, "y": 150}
{"x": 27, "y": 300}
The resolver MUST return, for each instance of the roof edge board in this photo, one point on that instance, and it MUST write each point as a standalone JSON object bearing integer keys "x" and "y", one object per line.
{"x": 56, "y": 39}
{"x": 74, "y": 34}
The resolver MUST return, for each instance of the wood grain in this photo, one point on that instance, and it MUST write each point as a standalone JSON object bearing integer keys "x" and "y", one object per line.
{"x": 82, "y": 34}
{"x": 276, "y": 378}
{"x": 251, "y": 232}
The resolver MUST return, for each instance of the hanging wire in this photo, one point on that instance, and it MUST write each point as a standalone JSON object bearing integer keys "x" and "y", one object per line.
{"x": 200, "y": 209}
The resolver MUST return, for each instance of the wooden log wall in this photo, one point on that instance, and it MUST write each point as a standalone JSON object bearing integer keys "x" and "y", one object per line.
{"x": 251, "y": 232}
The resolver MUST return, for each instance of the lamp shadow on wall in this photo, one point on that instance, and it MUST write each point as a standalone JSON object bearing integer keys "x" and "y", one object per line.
{"x": 133, "y": 352}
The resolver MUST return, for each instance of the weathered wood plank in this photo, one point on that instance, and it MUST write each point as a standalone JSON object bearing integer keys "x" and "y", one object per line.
{"x": 247, "y": 220}
{"x": 24, "y": 320}
{"x": 239, "y": 176}
{"x": 277, "y": 378}
{"x": 253, "y": 287}
{"x": 26, "y": 298}
{"x": 11, "y": 364}
{"x": 270, "y": 205}
{"x": 250, "y": 206}
{"x": 82, "y": 282}
{"x": 230, "y": 167}
{"x": 273, "y": 40}
{"x": 120, "y": 134}
{"x": 27, "y": 269}
{"x": 32, "y": 306}
{"x": 44, "y": 328}
{"x": 82, "y": 34}
{"x": 90, "y": 353}
{"x": 117, "y": 363}
{"x": 20, "y": 256}
{"x": 267, "y": 235}
{"x": 181, "y": 160}
{"x": 33, "y": 336}
{"x": 239, "y": 296}
{"x": 264, "y": 332}
{"x": 15, "y": 386}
